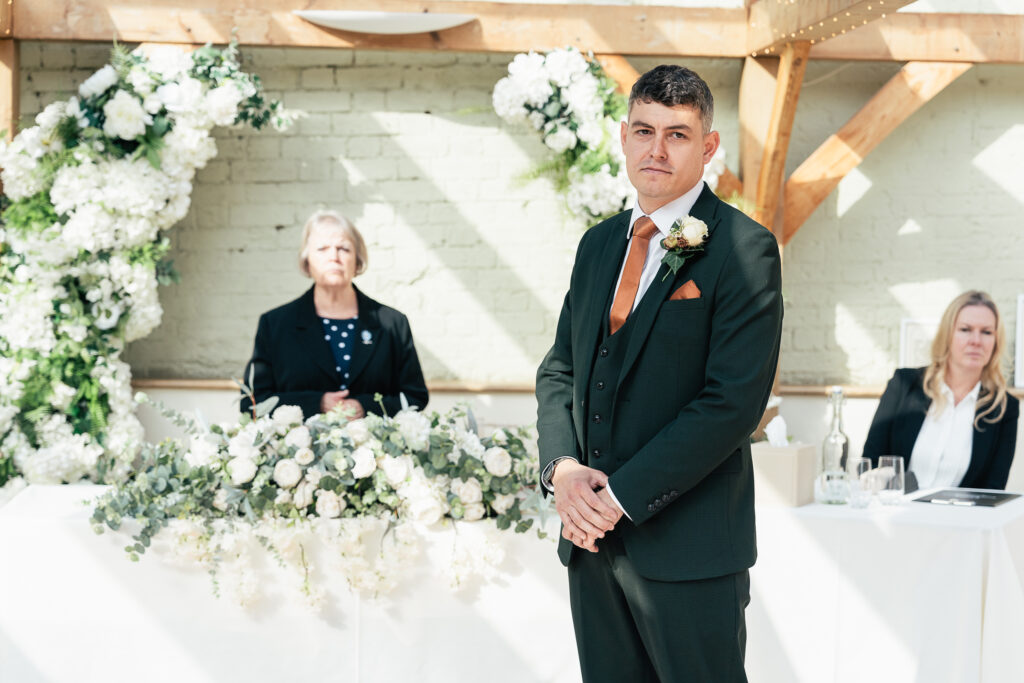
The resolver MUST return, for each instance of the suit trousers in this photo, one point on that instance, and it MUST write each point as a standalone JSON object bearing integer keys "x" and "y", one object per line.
{"x": 630, "y": 629}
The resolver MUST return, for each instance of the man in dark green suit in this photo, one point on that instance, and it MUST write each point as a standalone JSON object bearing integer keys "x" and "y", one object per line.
{"x": 647, "y": 399}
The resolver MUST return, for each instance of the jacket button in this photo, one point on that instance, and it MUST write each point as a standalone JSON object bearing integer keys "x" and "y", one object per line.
{"x": 600, "y": 386}
{"x": 597, "y": 453}
{"x": 597, "y": 419}
{"x": 604, "y": 352}
{"x": 674, "y": 493}
{"x": 650, "y": 508}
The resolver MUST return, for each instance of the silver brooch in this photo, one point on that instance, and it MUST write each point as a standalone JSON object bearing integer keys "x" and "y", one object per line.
{"x": 367, "y": 337}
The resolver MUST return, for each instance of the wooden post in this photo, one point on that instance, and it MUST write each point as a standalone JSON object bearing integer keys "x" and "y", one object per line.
{"x": 9, "y": 87}
{"x": 773, "y": 167}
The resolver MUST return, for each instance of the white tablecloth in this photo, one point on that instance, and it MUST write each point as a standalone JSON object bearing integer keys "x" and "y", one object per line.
{"x": 920, "y": 593}
{"x": 73, "y": 609}
{"x": 913, "y": 594}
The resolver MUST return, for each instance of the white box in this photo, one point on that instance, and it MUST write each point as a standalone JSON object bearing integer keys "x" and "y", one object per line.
{"x": 784, "y": 475}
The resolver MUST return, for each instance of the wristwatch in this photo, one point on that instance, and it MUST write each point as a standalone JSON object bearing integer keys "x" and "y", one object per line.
{"x": 549, "y": 471}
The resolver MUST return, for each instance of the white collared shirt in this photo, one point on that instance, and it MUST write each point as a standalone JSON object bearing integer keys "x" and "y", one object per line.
{"x": 942, "y": 452}
{"x": 663, "y": 218}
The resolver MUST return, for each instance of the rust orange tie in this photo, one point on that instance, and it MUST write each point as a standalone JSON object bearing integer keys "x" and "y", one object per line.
{"x": 622, "y": 306}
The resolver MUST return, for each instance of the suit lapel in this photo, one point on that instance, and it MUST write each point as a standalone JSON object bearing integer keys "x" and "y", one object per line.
{"x": 608, "y": 261}
{"x": 368, "y": 339}
{"x": 706, "y": 209}
{"x": 981, "y": 450}
{"x": 311, "y": 336}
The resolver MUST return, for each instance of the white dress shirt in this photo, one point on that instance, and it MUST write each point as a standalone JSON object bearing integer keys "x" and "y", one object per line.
{"x": 663, "y": 218}
{"x": 942, "y": 452}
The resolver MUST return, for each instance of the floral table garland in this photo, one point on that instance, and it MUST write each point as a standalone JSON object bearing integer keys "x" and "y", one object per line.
{"x": 90, "y": 192}
{"x": 574, "y": 105}
{"x": 325, "y": 488}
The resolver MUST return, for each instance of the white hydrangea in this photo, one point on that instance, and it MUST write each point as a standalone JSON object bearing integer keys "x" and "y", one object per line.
{"x": 124, "y": 116}
{"x": 99, "y": 82}
{"x": 528, "y": 70}
{"x": 565, "y": 66}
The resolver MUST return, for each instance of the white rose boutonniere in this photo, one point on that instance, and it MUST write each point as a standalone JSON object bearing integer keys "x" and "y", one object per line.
{"x": 685, "y": 240}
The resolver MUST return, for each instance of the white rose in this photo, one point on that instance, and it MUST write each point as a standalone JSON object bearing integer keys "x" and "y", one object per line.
{"x": 125, "y": 117}
{"x": 694, "y": 231}
{"x": 304, "y": 456}
{"x": 242, "y": 470}
{"x": 468, "y": 491}
{"x": 302, "y": 496}
{"x": 283, "y": 498}
{"x": 328, "y": 504}
{"x": 299, "y": 438}
{"x": 222, "y": 104}
{"x": 358, "y": 431}
{"x": 497, "y": 461}
{"x": 99, "y": 82}
{"x": 473, "y": 512}
{"x": 365, "y": 462}
{"x": 241, "y": 446}
{"x": 426, "y": 509}
{"x": 220, "y": 500}
{"x": 503, "y": 502}
{"x": 499, "y": 436}
{"x": 201, "y": 452}
{"x": 286, "y": 416}
{"x": 560, "y": 139}
{"x": 287, "y": 473}
{"x": 396, "y": 470}
{"x": 314, "y": 476}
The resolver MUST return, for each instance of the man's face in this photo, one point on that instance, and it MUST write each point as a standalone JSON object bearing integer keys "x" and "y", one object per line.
{"x": 666, "y": 149}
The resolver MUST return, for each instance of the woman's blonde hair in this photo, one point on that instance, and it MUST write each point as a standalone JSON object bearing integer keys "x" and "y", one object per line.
{"x": 992, "y": 397}
{"x": 346, "y": 226}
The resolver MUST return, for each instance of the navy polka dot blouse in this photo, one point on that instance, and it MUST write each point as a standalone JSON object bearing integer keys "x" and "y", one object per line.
{"x": 341, "y": 336}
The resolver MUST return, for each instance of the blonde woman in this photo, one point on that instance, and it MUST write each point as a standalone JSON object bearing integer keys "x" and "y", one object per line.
{"x": 953, "y": 421}
{"x": 335, "y": 345}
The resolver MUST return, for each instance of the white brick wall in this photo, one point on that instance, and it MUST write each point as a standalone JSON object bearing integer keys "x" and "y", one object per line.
{"x": 405, "y": 144}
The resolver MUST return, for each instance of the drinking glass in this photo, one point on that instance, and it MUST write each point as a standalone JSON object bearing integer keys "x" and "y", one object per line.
{"x": 890, "y": 474}
{"x": 860, "y": 475}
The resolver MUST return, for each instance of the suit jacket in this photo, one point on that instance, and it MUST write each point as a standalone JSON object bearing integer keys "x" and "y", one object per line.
{"x": 901, "y": 412}
{"x": 290, "y": 359}
{"x": 696, "y": 377}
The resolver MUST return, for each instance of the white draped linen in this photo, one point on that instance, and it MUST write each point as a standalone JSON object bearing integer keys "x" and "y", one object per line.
{"x": 918, "y": 593}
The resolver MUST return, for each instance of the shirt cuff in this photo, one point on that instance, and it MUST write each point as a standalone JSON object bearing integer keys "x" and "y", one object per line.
{"x": 616, "y": 501}
{"x": 549, "y": 471}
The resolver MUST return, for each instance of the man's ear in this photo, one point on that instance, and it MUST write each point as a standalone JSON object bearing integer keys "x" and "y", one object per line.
{"x": 711, "y": 142}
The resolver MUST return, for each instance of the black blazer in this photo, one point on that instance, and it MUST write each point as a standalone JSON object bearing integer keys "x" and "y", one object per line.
{"x": 901, "y": 413}
{"x": 290, "y": 359}
{"x": 694, "y": 383}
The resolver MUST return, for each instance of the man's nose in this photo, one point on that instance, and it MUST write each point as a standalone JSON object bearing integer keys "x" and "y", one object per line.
{"x": 658, "y": 149}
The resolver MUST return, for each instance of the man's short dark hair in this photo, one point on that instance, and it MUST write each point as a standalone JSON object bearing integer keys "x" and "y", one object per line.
{"x": 675, "y": 86}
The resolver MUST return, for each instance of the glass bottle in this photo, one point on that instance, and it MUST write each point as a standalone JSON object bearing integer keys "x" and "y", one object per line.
{"x": 832, "y": 486}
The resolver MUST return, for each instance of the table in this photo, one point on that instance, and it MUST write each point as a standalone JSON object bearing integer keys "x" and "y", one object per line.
{"x": 914, "y": 593}
{"x": 74, "y": 609}
{"x": 918, "y": 593}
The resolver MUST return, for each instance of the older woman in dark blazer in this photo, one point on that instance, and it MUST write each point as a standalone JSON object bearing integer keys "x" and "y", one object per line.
{"x": 953, "y": 421}
{"x": 335, "y": 345}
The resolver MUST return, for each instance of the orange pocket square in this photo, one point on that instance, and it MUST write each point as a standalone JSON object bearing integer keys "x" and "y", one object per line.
{"x": 688, "y": 290}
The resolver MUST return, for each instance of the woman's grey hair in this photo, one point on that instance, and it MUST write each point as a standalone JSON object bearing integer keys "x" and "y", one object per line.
{"x": 324, "y": 217}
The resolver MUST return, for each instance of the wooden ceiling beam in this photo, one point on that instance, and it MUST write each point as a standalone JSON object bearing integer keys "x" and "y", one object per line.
{"x": 978, "y": 38}
{"x": 772, "y": 174}
{"x": 498, "y": 27}
{"x": 820, "y": 173}
{"x": 773, "y": 23}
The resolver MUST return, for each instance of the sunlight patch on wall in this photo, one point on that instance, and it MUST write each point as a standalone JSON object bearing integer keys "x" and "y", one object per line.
{"x": 851, "y": 190}
{"x": 865, "y": 349}
{"x": 926, "y": 299}
{"x": 1000, "y": 162}
{"x": 910, "y": 227}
